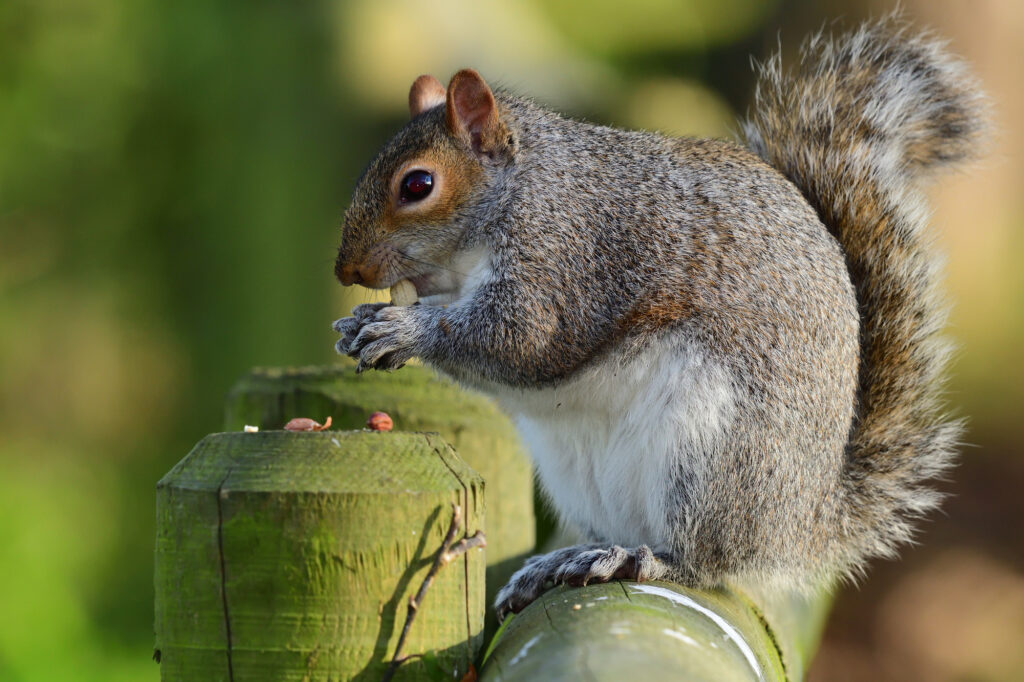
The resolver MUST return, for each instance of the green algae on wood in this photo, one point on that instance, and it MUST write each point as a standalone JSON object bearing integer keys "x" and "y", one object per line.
{"x": 417, "y": 401}
{"x": 291, "y": 556}
{"x": 656, "y": 630}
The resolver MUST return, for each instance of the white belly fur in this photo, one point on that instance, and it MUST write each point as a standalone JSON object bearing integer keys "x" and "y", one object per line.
{"x": 609, "y": 443}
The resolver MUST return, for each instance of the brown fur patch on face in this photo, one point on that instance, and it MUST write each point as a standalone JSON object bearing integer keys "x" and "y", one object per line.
{"x": 376, "y": 215}
{"x": 453, "y": 181}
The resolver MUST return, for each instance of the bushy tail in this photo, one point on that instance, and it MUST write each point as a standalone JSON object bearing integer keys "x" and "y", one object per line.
{"x": 857, "y": 126}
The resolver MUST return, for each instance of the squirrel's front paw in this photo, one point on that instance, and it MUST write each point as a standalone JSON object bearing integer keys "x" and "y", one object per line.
{"x": 349, "y": 327}
{"x": 384, "y": 338}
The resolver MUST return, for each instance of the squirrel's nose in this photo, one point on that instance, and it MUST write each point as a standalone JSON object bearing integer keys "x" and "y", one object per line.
{"x": 348, "y": 273}
{"x": 366, "y": 274}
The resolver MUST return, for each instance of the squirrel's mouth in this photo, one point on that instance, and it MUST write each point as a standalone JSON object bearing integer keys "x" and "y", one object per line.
{"x": 433, "y": 289}
{"x": 435, "y": 284}
{"x": 384, "y": 266}
{"x": 444, "y": 284}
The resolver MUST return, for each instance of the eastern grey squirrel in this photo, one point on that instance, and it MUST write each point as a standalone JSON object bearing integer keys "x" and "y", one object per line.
{"x": 724, "y": 359}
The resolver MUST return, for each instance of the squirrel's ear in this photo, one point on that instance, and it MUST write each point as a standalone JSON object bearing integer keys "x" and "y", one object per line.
{"x": 472, "y": 113}
{"x": 426, "y": 93}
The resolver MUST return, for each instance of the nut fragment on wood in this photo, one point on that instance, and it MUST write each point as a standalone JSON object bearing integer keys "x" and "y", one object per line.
{"x": 251, "y": 429}
{"x": 306, "y": 424}
{"x": 404, "y": 293}
{"x": 380, "y": 421}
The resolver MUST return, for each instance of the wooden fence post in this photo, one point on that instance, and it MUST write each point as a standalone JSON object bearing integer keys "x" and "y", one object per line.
{"x": 417, "y": 401}
{"x": 291, "y": 556}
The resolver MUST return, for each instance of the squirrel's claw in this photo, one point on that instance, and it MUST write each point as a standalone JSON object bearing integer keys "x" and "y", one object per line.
{"x": 367, "y": 311}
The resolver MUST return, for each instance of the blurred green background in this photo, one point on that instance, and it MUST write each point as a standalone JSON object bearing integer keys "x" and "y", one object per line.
{"x": 172, "y": 174}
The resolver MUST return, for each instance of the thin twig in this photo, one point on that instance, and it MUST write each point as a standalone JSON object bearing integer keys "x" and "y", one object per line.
{"x": 449, "y": 551}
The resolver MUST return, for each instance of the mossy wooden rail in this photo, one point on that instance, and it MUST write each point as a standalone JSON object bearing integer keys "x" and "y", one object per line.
{"x": 656, "y": 631}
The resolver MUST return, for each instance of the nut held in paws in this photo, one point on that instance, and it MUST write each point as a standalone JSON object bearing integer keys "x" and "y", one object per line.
{"x": 379, "y": 421}
{"x": 404, "y": 293}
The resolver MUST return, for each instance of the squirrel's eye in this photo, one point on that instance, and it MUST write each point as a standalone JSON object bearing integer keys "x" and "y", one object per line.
{"x": 416, "y": 185}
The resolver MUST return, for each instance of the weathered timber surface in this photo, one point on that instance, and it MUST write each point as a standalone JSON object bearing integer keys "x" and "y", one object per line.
{"x": 417, "y": 401}
{"x": 291, "y": 556}
{"x": 654, "y": 631}
{"x": 796, "y": 622}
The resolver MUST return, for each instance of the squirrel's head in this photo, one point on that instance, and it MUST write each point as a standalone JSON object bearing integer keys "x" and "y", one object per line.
{"x": 412, "y": 205}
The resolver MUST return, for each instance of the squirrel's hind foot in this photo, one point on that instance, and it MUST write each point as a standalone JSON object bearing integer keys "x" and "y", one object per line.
{"x": 578, "y": 566}
{"x": 611, "y": 563}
